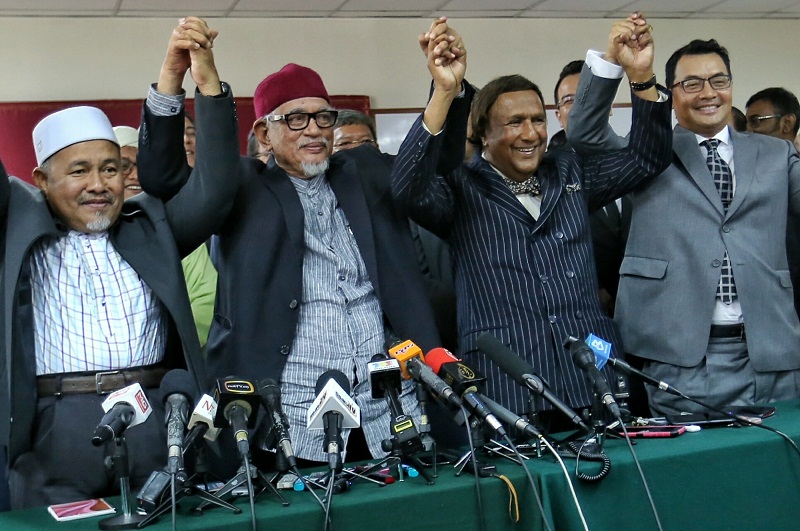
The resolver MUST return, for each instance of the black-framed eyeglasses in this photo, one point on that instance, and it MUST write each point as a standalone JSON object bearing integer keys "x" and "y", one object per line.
{"x": 297, "y": 121}
{"x": 127, "y": 166}
{"x": 755, "y": 120}
{"x": 566, "y": 101}
{"x": 696, "y": 84}
{"x": 353, "y": 143}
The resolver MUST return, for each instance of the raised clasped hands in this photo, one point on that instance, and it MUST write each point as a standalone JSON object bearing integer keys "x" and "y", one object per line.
{"x": 630, "y": 45}
{"x": 446, "y": 55}
{"x": 190, "y": 48}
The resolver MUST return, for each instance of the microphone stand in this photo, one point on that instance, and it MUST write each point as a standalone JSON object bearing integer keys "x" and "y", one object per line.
{"x": 246, "y": 473}
{"x": 185, "y": 487}
{"x": 119, "y": 464}
{"x": 428, "y": 442}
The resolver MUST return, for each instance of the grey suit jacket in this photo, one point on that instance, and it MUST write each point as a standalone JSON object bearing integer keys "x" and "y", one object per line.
{"x": 679, "y": 234}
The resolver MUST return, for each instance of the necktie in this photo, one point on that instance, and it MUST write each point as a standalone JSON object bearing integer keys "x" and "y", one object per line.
{"x": 723, "y": 180}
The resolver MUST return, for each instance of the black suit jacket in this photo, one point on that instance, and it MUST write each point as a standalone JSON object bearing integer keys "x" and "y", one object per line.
{"x": 261, "y": 246}
{"x": 609, "y": 236}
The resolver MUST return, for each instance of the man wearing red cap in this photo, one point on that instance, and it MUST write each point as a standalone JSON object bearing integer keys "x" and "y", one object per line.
{"x": 317, "y": 267}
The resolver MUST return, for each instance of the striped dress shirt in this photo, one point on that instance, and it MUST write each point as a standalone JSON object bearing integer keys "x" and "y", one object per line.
{"x": 92, "y": 311}
{"x": 340, "y": 324}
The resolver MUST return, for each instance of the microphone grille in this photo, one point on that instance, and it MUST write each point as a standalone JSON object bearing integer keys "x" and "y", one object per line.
{"x": 335, "y": 375}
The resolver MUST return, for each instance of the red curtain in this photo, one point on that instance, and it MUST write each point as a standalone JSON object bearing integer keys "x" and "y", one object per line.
{"x": 17, "y": 121}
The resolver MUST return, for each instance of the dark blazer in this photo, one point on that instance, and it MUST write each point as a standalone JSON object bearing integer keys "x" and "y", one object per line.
{"x": 262, "y": 246}
{"x": 531, "y": 283}
{"x": 679, "y": 233}
{"x": 609, "y": 236}
{"x": 144, "y": 237}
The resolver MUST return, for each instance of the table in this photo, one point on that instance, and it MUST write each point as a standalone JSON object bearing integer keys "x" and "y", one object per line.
{"x": 717, "y": 479}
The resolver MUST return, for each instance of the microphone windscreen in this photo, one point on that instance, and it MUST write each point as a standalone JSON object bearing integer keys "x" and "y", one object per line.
{"x": 511, "y": 364}
{"x": 269, "y": 388}
{"x": 337, "y": 376}
{"x": 178, "y": 381}
{"x": 438, "y": 357}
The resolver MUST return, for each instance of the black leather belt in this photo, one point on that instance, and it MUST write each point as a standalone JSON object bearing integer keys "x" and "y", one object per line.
{"x": 101, "y": 382}
{"x": 736, "y": 330}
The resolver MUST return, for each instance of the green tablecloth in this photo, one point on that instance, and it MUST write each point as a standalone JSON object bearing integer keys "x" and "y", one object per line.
{"x": 717, "y": 479}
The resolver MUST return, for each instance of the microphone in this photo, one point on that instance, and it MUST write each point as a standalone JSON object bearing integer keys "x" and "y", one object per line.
{"x": 201, "y": 423}
{"x": 385, "y": 381}
{"x": 176, "y": 391}
{"x": 124, "y": 408}
{"x": 522, "y": 425}
{"x": 625, "y": 368}
{"x": 522, "y": 373}
{"x": 465, "y": 382}
{"x": 333, "y": 410}
{"x": 412, "y": 365}
{"x": 270, "y": 393}
{"x": 237, "y": 403}
{"x": 584, "y": 358}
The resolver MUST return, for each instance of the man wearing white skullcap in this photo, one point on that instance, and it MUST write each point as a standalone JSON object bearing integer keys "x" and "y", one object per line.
{"x": 128, "y": 140}
{"x": 94, "y": 301}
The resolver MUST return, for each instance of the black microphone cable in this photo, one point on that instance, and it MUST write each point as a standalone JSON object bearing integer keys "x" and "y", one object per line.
{"x": 641, "y": 473}
{"x": 474, "y": 459}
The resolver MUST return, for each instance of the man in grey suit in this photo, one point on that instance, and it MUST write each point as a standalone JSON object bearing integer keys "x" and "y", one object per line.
{"x": 705, "y": 295}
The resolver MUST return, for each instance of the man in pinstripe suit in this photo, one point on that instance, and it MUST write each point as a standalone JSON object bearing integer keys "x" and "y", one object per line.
{"x": 522, "y": 249}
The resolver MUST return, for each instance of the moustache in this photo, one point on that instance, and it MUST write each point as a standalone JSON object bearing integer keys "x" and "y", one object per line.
{"x": 321, "y": 140}
{"x": 106, "y": 197}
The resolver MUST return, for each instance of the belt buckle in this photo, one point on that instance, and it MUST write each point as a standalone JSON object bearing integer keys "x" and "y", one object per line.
{"x": 741, "y": 333}
{"x": 98, "y": 380}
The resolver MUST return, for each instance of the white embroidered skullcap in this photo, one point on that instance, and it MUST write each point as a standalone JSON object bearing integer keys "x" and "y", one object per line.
{"x": 127, "y": 136}
{"x": 70, "y": 126}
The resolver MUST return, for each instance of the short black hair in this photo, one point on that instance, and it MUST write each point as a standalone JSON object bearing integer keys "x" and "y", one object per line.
{"x": 739, "y": 120}
{"x": 782, "y": 100}
{"x": 571, "y": 68}
{"x": 696, "y": 47}
{"x": 351, "y": 117}
{"x": 486, "y": 98}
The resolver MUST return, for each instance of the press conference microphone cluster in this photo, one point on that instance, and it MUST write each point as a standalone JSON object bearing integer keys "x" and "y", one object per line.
{"x": 333, "y": 410}
{"x": 522, "y": 373}
{"x": 584, "y": 359}
{"x": 124, "y": 408}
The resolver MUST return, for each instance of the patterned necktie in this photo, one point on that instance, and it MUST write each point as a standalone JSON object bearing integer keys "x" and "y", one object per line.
{"x": 723, "y": 180}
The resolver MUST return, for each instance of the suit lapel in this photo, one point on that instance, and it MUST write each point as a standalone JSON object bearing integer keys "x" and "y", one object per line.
{"x": 684, "y": 143}
{"x": 281, "y": 186}
{"x": 551, "y": 190}
{"x": 499, "y": 193}
{"x": 745, "y": 157}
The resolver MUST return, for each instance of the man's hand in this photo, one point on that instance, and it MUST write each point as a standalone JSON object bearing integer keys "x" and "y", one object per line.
{"x": 630, "y": 45}
{"x": 189, "y": 46}
{"x": 447, "y": 63}
{"x": 447, "y": 57}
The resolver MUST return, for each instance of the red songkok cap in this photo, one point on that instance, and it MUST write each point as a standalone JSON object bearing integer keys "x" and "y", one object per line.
{"x": 289, "y": 83}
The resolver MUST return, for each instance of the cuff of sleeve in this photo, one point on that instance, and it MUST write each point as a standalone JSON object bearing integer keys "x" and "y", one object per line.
{"x": 164, "y": 104}
{"x": 602, "y": 68}
{"x": 429, "y": 131}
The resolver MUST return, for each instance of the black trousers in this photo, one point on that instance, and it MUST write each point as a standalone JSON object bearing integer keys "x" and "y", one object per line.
{"x": 63, "y": 465}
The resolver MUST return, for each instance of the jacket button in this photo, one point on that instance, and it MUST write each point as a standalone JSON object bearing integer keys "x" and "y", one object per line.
{"x": 293, "y": 304}
{"x": 570, "y": 274}
{"x": 716, "y": 263}
{"x": 552, "y": 319}
{"x": 285, "y": 350}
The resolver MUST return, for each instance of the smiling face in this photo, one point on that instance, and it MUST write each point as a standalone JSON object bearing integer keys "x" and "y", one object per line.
{"x": 706, "y": 112}
{"x": 129, "y": 171}
{"x": 83, "y": 185}
{"x": 189, "y": 138}
{"x": 566, "y": 97}
{"x": 301, "y": 153}
{"x": 516, "y": 134}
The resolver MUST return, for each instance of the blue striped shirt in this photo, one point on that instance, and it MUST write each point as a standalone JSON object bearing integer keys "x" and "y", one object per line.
{"x": 340, "y": 324}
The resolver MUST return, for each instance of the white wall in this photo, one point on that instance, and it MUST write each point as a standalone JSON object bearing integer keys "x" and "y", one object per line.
{"x": 99, "y": 58}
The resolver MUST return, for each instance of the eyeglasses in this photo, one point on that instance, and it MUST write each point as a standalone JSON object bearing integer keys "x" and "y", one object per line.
{"x": 353, "y": 143}
{"x": 755, "y": 121}
{"x": 567, "y": 100}
{"x": 696, "y": 84}
{"x": 297, "y": 121}
{"x": 127, "y": 166}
